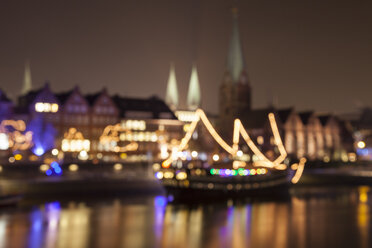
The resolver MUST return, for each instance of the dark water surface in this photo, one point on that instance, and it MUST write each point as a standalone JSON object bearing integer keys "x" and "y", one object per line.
{"x": 311, "y": 217}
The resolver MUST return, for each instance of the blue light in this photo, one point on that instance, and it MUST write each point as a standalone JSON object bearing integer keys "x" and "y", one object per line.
{"x": 36, "y": 232}
{"x": 58, "y": 170}
{"x": 170, "y": 198}
{"x": 160, "y": 201}
{"x": 53, "y": 206}
{"x": 48, "y": 172}
{"x": 54, "y": 164}
{"x": 39, "y": 151}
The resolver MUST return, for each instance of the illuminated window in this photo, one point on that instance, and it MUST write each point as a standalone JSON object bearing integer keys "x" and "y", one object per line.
{"x": 260, "y": 140}
{"x": 134, "y": 124}
{"x": 74, "y": 141}
{"x": 187, "y": 116}
{"x": 4, "y": 141}
{"x": 46, "y": 107}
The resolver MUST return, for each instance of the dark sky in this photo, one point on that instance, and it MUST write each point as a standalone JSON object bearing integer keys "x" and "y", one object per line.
{"x": 313, "y": 55}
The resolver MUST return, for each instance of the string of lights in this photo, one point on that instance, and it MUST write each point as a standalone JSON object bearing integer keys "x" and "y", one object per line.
{"x": 299, "y": 170}
{"x": 233, "y": 150}
{"x": 18, "y": 137}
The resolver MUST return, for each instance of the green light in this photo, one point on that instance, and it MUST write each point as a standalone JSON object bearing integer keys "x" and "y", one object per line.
{"x": 213, "y": 171}
{"x": 234, "y": 172}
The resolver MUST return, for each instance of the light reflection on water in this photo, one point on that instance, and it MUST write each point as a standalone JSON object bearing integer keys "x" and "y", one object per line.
{"x": 310, "y": 218}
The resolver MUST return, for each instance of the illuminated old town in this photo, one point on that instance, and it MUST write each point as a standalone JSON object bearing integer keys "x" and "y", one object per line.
{"x": 215, "y": 149}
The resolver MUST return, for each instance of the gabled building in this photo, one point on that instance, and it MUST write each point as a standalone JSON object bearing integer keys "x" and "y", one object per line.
{"x": 74, "y": 121}
{"x": 293, "y": 132}
{"x": 40, "y": 103}
{"x": 331, "y": 134}
{"x": 149, "y": 123}
{"x": 74, "y": 111}
{"x": 103, "y": 112}
{"x": 6, "y": 106}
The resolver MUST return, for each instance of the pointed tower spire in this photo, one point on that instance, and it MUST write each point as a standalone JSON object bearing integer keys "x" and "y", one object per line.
{"x": 171, "y": 97}
{"x": 193, "y": 95}
{"x": 27, "y": 83}
{"x": 235, "y": 58}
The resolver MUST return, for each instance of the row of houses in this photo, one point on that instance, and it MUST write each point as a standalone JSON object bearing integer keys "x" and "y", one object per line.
{"x": 98, "y": 125}
{"x": 65, "y": 120}
{"x": 317, "y": 136}
{"x": 307, "y": 134}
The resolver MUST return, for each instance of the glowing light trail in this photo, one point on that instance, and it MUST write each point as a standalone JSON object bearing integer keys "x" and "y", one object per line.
{"x": 299, "y": 171}
{"x": 233, "y": 150}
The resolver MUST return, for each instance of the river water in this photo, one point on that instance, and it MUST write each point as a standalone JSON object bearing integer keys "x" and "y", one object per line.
{"x": 309, "y": 217}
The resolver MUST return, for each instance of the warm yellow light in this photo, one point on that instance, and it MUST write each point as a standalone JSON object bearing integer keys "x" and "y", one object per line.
{"x": 198, "y": 172}
{"x": 44, "y": 167}
{"x": 83, "y": 155}
{"x": 186, "y": 127}
{"x": 134, "y": 124}
{"x": 194, "y": 154}
{"x": 46, "y": 107}
{"x": 11, "y": 160}
{"x": 1, "y": 168}
{"x": 213, "y": 132}
{"x": 55, "y": 152}
{"x": 168, "y": 174}
{"x": 74, "y": 141}
{"x": 260, "y": 140}
{"x": 352, "y": 157}
{"x": 280, "y": 166}
{"x": 73, "y": 167}
{"x": 33, "y": 158}
{"x": 363, "y": 194}
{"x": 326, "y": 159}
{"x": 294, "y": 166}
{"x": 237, "y": 164}
{"x": 118, "y": 167}
{"x": 18, "y": 157}
{"x": 361, "y": 144}
{"x": 258, "y": 158}
{"x": 166, "y": 163}
{"x": 299, "y": 171}
{"x": 156, "y": 167}
{"x": 216, "y": 157}
{"x": 344, "y": 157}
{"x": 187, "y": 116}
{"x": 39, "y": 107}
{"x": 16, "y": 138}
{"x": 164, "y": 151}
{"x": 54, "y": 107}
{"x": 181, "y": 175}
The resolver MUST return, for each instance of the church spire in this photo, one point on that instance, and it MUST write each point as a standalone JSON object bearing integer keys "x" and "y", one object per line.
{"x": 235, "y": 59}
{"x": 171, "y": 97}
{"x": 193, "y": 95}
{"x": 27, "y": 83}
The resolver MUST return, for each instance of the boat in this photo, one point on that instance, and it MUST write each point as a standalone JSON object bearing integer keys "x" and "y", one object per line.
{"x": 230, "y": 175}
{"x": 198, "y": 179}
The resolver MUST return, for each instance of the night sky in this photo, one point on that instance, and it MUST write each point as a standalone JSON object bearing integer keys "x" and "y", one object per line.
{"x": 314, "y": 55}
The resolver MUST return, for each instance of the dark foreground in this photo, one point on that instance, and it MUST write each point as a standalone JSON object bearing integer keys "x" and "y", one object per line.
{"x": 322, "y": 216}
